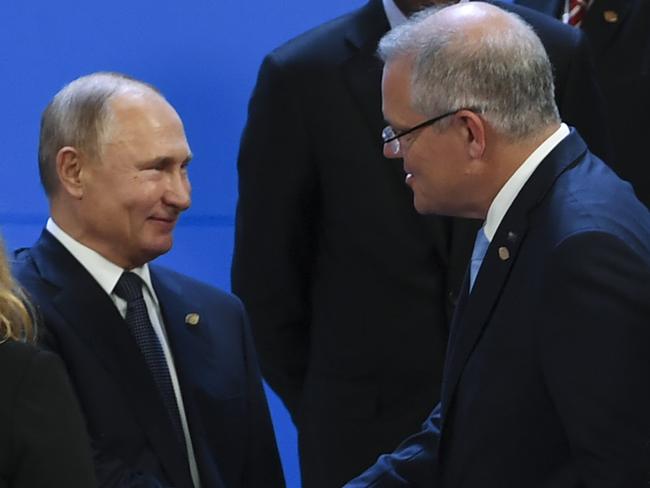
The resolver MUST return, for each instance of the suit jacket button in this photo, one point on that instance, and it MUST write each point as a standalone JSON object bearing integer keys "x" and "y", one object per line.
{"x": 504, "y": 253}
{"x": 610, "y": 16}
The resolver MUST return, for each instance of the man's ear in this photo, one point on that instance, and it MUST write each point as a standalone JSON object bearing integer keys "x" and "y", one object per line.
{"x": 69, "y": 169}
{"x": 475, "y": 133}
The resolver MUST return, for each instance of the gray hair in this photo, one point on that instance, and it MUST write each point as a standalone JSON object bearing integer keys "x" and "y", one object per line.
{"x": 78, "y": 116}
{"x": 504, "y": 73}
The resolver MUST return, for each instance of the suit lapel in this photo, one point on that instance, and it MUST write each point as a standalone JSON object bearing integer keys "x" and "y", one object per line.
{"x": 195, "y": 361}
{"x": 474, "y": 315}
{"x": 92, "y": 315}
{"x": 601, "y": 32}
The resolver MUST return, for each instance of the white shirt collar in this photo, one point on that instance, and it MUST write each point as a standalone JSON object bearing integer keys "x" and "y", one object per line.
{"x": 395, "y": 15}
{"x": 515, "y": 183}
{"x": 105, "y": 272}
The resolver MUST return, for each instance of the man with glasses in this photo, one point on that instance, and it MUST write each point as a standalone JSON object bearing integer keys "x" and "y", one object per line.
{"x": 546, "y": 375}
{"x": 334, "y": 265}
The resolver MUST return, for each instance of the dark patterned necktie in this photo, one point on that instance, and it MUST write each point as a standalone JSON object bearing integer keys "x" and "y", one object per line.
{"x": 129, "y": 288}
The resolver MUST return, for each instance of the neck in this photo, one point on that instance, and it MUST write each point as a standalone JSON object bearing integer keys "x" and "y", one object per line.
{"x": 507, "y": 156}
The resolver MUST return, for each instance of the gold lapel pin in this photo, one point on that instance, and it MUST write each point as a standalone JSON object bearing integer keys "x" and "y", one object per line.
{"x": 504, "y": 253}
{"x": 610, "y": 16}
{"x": 192, "y": 319}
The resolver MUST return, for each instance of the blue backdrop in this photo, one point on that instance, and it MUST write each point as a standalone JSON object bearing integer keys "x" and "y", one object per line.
{"x": 202, "y": 54}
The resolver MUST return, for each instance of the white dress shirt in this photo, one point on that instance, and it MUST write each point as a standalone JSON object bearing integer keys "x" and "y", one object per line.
{"x": 106, "y": 274}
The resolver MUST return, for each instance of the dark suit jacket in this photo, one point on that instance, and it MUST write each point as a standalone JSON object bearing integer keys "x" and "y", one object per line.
{"x": 132, "y": 435}
{"x": 622, "y": 56}
{"x": 331, "y": 259}
{"x": 43, "y": 441}
{"x": 546, "y": 377}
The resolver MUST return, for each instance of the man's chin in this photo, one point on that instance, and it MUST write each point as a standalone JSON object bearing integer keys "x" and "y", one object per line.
{"x": 155, "y": 249}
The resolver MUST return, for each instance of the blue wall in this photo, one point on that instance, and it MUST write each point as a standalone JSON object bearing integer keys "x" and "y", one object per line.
{"x": 203, "y": 55}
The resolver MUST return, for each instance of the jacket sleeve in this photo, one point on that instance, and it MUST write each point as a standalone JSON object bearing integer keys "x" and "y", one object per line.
{"x": 274, "y": 237}
{"x": 413, "y": 463}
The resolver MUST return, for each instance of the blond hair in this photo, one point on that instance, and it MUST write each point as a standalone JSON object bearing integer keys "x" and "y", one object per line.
{"x": 15, "y": 320}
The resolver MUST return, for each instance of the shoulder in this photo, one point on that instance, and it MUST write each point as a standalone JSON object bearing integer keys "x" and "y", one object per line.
{"x": 329, "y": 43}
{"x": 553, "y": 33}
{"x": 589, "y": 199}
{"x": 22, "y": 261}
{"x": 24, "y": 357}
{"x": 14, "y": 354}
{"x": 28, "y": 368}
{"x": 314, "y": 44}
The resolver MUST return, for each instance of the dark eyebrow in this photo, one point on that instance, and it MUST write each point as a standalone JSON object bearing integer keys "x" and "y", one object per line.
{"x": 164, "y": 160}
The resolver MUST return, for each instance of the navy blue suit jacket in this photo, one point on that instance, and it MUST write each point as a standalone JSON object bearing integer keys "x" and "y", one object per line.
{"x": 619, "y": 31}
{"x": 331, "y": 257}
{"x": 133, "y": 441}
{"x": 546, "y": 376}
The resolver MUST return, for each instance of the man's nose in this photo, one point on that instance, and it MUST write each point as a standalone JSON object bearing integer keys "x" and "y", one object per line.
{"x": 179, "y": 192}
{"x": 390, "y": 153}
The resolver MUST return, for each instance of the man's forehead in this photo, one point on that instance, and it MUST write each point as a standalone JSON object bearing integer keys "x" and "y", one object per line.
{"x": 396, "y": 90}
{"x": 138, "y": 103}
{"x": 140, "y": 112}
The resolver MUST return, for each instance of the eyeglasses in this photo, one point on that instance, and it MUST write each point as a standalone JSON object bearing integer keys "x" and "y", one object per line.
{"x": 390, "y": 137}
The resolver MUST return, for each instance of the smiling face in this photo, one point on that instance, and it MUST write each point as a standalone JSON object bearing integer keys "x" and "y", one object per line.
{"x": 133, "y": 194}
{"x": 440, "y": 171}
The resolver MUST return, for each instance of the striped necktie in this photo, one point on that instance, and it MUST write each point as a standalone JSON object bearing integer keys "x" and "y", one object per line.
{"x": 576, "y": 12}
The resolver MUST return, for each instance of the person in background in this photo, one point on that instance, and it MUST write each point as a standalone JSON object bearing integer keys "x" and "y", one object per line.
{"x": 546, "y": 376}
{"x": 332, "y": 262}
{"x": 43, "y": 439}
{"x": 619, "y": 33}
{"x": 163, "y": 365}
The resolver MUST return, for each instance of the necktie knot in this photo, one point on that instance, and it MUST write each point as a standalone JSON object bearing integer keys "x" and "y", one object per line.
{"x": 129, "y": 287}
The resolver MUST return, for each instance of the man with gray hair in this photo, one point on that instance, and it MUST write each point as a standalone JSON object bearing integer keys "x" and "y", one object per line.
{"x": 546, "y": 375}
{"x": 328, "y": 274}
{"x": 163, "y": 365}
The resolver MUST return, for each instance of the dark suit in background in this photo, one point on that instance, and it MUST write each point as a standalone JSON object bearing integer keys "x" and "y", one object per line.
{"x": 43, "y": 440}
{"x": 619, "y": 31}
{"x": 217, "y": 370}
{"x": 348, "y": 288}
{"x": 546, "y": 379}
